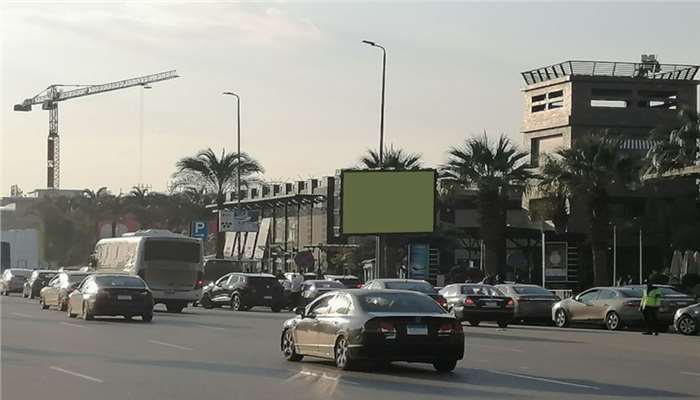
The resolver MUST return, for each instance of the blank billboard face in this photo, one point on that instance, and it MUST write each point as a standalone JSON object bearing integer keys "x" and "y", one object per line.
{"x": 388, "y": 202}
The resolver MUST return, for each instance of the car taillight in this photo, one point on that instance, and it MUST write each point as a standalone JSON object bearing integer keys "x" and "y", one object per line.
{"x": 448, "y": 329}
{"x": 388, "y": 330}
{"x": 631, "y": 303}
{"x": 359, "y": 285}
{"x": 468, "y": 301}
{"x": 510, "y": 303}
{"x": 441, "y": 300}
{"x": 199, "y": 284}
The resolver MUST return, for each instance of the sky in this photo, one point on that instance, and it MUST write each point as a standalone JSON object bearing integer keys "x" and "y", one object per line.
{"x": 310, "y": 89}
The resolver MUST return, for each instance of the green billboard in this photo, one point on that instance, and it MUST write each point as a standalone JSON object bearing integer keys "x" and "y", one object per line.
{"x": 387, "y": 202}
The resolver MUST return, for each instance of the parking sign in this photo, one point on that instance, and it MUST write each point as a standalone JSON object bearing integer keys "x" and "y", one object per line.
{"x": 200, "y": 229}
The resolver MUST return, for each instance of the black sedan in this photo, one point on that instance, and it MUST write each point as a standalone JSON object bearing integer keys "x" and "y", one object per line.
{"x": 687, "y": 320}
{"x": 376, "y": 326}
{"x": 532, "y": 303}
{"x": 477, "y": 302}
{"x": 310, "y": 290}
{"x": 37, "y": 281}
{"x": 104, "y": 294}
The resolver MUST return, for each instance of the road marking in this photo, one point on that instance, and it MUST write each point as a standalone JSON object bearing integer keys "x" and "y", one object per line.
{"x": 218, "y": 328}
{"x": 75, "y": 325}
{"x": 534, "y": 378}
{"x": 170, "y": 345}
{"x": 497, "y": 348}
{"x": 22, "y": 315}
{"x": 690, "y": 373}
{"x": 65, "y": 371}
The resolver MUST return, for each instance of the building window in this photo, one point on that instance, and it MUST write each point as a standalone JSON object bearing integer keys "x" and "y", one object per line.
{"x": 663, "y": 100}
{"x": 555, "y": 94}
{"x": 608, "y": 103}
{"x": 539, "y": 97}
{"x": 538, "y": 107}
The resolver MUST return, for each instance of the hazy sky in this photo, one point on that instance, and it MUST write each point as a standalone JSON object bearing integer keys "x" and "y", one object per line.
{"x": 310, "y": 89}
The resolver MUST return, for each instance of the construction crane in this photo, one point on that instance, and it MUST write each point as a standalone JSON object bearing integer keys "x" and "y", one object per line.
{"x": 52, "y": 95}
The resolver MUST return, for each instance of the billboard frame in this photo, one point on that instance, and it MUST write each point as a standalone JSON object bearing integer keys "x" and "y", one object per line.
{"x": 435, "y": 201}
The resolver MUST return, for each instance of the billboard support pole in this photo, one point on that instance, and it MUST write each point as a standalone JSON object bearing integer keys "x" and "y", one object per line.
{"x": 544, "y": 258}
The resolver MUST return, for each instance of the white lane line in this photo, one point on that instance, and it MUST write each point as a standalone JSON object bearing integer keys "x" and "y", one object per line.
{"x": 170, "y": 345}
{"x": 690, "y": 373}
{"x": 65, "y": 371}
{"x": 534, "y": 378}
{"x": 74, "y": 325}
{"x": 218, "y": 328}
{"x": 486, "y": 346}
{"x": 22, "y": 315}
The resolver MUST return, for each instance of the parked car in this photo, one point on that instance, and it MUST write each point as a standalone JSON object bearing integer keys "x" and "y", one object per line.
{"x": 671, "y": 300}
{"x": 310, "y": 290}
{"x": 37, "y": 281}
{"x": 478, "y": 302}
{"x": 12, "y": 280}
{"x": 349, "y": 281}
{"x": 241, "y": 291}
{"x": 687, "y": 320}
{"x": 413, "y": 285}
{"x": 59, "y": 287}
{"x": 380, "y": 326}
{"x": 531, "y": 302}
{"x": 613, "y": 307}
{"x": 107, "y": 294}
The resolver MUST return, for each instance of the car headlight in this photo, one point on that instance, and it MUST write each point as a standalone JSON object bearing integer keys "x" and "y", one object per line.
{"x": 696, "y": 312}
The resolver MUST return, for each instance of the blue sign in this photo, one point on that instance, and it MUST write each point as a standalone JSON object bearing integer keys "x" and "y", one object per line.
{"x": 418, "y": 261}
{"x": 200, "y": 229}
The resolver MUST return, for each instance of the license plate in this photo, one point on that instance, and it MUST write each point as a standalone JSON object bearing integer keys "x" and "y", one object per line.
{"x": 123, "y": 297}
{"x": 268, "y": 297}
{"x": 490, "y": 304}
{"x": 416, "y": 330}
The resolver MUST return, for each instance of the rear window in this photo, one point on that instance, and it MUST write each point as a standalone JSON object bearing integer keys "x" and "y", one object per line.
{"x": 531, "y": 290}
{"x": 119, "y": 281}
{"x": 667, "y": 291}
{"x": 76, "y": 278}
{"x": 21, "y": 273}
{"x": 422, "y": 287}
{"x": 328, "y": 285}
{"x": 482, "y": 291}
{"x": 262, "y": 281}
{"x": 399, "y": 303}
{"x": 172, "y": 250}
{"x": 46, "y": 274}
{"x": 631, "y": 292}
{"x": 214, "y": 270}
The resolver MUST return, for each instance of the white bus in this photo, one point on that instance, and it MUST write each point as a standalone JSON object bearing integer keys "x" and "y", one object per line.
{"x": 170, "y": 263}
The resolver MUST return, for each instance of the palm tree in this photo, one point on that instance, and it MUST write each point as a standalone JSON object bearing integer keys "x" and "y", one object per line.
{"x": 676, "y": 147}
{"x": 216, "y": 175}
{"x": 496, "y": 169}
{"x": 586, "y": 172}
{"x": 392, "y": 159}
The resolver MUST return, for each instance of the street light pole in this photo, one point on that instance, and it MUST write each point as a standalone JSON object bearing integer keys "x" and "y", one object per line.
{"x": 379, "y": 253}
{"x": 140, "y": 183}
{"x": 238, "y": 156}
{"x": 614, "y": 255}
{"x": 641, "y": 272}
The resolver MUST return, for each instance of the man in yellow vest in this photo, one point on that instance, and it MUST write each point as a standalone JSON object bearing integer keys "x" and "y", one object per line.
{"x": 650, "y": 304}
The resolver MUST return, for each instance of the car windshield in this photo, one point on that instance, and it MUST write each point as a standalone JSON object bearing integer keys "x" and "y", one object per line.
{"x": 172, "y": 250}
{"x": 76, "y": 278}
{"x": 481, "y": 291}
{"x": 328, "y": 285}
{"x": 414, "y": 286}
{"x": 259, "y": 281}
{"x": 399, "y": 303}
{"x": 531, "y": 290}
{"x": 21, "y": 273}
{"x": 119, "y": 281}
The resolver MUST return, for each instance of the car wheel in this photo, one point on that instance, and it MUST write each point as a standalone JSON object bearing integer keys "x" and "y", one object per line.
{"x": 288, "y": 349}
{"x": 236, "y": 303}
{"x": 87, "y": 314}
{"x": 445, "y": 365}
{"x": 147, "y": 317}
{"x": 343, "y": 358}
{"x": 69, "y": 311}
{"x": 44, "y": 306}
{"x": 613, "y": 321}
{"x": 474, "y": 322}
{"x": 502, "y": 324}
{"x": 206, "y": 302}
{"x": 560, "y": 319}
{"x": 687, "y": 325}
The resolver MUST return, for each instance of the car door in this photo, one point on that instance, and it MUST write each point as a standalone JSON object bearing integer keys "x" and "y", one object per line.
{"x": 51, "y": 295}
{"x": 306, "y": 331}
{"x": 331, "y": 323}
{"x": 75, "y": 299}
{"x": 581, "y": 307}
{"x": 601, "y": 304}
{"x": 219, "y": 291}
{"x": 452, "y": 295}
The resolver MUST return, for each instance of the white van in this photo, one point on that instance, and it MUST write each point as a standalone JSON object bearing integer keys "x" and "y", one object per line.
{"x": 170, "y": 263}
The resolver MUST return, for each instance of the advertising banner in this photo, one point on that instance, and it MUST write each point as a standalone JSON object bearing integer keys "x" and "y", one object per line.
{"x": 418, "y": 261}
{"x": 236, "y": 220}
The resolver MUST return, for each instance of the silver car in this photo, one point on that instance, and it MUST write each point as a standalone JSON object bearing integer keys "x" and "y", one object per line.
{"x": 687, "y": 320}
{"x": 12, "y": 280}
{"x": 532, "y": 302}
{"x": 613, "y": 307}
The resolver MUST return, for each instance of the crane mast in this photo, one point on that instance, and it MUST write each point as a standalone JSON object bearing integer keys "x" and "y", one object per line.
{"x": 51, "y": 96}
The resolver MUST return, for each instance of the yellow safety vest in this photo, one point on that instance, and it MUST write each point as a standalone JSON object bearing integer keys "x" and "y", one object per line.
{"x": 652, "y": 298}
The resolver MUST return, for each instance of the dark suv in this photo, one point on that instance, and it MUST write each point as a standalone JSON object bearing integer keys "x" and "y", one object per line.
{"x": 37, "y": 281}
{"x": 243, "y": 291}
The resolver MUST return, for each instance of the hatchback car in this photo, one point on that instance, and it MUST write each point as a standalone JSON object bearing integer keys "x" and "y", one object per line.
{"x": 57, "y": 291}
{"x": 37, "y": 281}
{"x": 477, "y": 302}
{"x": 310, "y": 290}
{"x": 377, "y": 326}
{"x": 105, "y": 294}
{"x": 413, "y": 285}
{"x": 532, "y": 303}
{"x": 687, "y": 320}
{"x": 243, "y": 291}
{"x": 12, "y": 280}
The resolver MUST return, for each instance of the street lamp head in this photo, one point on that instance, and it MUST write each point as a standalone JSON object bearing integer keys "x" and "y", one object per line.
{"x": 229, "y": 93}
{"x": 147, "y": 87}
{"x": 369, "y": 42}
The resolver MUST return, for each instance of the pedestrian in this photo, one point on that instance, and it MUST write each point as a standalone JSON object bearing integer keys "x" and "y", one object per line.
{"x": 649, "y": 305}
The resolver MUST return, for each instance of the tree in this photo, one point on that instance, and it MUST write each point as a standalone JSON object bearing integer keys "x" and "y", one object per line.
{"x": 497, "y": 169}
{"x": 392, "y": 159}
{"x": 216, "y": 175}
{"x": 675, "y": 147}
{"x": 587, "y": 172}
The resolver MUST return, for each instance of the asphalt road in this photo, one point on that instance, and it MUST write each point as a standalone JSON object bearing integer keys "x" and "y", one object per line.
{"x": 213, "y": 354}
